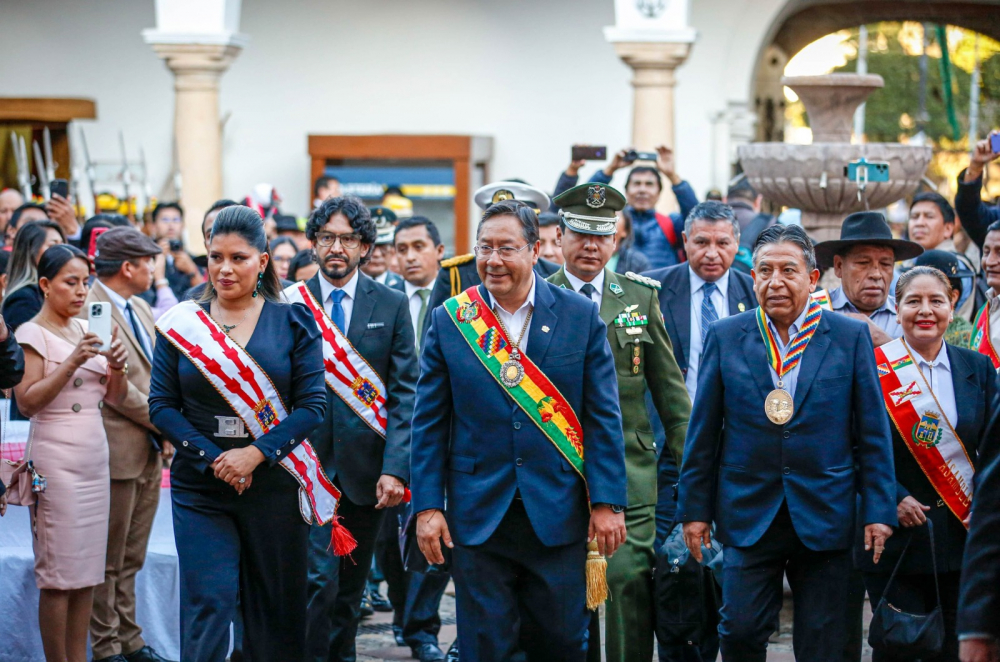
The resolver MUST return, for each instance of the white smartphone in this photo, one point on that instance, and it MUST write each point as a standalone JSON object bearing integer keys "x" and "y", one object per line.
{"x": 99, "y": 322}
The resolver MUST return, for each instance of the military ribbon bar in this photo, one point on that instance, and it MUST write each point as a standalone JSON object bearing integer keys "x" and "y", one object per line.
{"x": 249, "y": 391}
{"x": 535, "y": 394}
{"x": 926, "y": 431}
{"x": 795, "y": 350}
{"x": 981, "y": 340}
{"x": 347, "y": 373}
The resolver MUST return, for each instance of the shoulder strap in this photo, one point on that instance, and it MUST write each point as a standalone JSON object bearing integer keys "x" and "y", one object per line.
{"x": 892, "y": 577}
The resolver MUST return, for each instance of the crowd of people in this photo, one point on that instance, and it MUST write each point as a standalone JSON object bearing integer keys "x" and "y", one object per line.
{"x": 598, "y": 391}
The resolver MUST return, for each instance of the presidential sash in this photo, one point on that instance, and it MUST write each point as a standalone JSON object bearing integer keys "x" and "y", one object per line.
{"x": 981, "y": 340}
{"x": 347, "y": 373}
{"x": 534, "y": 394}
{"x": 248, "y": 390}
{"x": 926, "y": 431}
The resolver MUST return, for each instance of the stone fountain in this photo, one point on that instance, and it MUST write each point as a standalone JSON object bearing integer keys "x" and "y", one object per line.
{"x": 811, "y": 177}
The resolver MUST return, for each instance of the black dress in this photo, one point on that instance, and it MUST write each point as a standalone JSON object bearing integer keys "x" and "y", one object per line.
{"x": 254, "y": 545}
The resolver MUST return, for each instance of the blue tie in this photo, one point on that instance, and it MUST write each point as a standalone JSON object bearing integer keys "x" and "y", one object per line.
{"x": 139, "y": 338}
{"x": 708, "y": 312}
{"x": 337, "y": 312}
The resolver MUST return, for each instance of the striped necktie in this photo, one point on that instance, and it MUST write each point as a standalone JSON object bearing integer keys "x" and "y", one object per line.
{"x": 708, "y": 312}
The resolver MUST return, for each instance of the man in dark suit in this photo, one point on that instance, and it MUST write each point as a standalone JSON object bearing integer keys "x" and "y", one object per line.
{"x": 783, "y": 437}
{"x": 368, "y": 463}
{"x": 500, "y": 429}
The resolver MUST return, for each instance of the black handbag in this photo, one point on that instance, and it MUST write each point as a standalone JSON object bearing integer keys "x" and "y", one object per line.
{"x": 915, "y": 636}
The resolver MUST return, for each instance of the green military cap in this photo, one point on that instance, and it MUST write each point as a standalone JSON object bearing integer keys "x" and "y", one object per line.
{"x": 385, "y": 224}
{"x": 590, "y": 208}
{"x": 496, "y": 192}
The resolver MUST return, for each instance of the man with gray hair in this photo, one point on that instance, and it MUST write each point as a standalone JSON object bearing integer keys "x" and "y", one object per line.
{"x": 783, "y": 439}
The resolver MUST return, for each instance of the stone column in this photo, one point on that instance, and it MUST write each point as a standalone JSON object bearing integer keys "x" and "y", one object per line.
{"x": 197, "y": 69}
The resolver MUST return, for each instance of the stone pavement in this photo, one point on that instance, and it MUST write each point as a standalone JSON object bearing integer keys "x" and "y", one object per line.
{"x": 376, "y": 643}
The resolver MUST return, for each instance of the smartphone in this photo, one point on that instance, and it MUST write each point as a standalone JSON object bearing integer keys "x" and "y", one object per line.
{"x": 176, "y": 245}
{"x": 995, "y": 143}
{"x": 590, "y": 152}
{"x": 877, "y": 171}
{"x": 633, "y": 155}
{"x": 59, "y": 187}
{"x": 99, "y": 322}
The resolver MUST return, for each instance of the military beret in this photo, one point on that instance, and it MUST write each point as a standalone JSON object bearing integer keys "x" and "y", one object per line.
{"x": 500, "y": 191}
{"x": 385, "y": 224}
{"x": 124, "y": 243}
{"x": 591, "y": 208}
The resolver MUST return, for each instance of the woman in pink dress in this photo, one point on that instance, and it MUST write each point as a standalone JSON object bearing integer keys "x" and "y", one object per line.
{"x": 66, "y": 382}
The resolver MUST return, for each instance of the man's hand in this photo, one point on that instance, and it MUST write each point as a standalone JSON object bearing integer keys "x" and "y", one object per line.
{"x": 911, "y": 512}
{"x": 875, "y": 536}
{"x": 574, "y": 167}
{"x": 617, "y": 162}
{"x": 159, "y": 268}
{"x": 696, "y": 533}
{"x": 879, "y": 337}
{"x": 432, "y": 528}
{"x": 665, "y": 164}
{"x": 166, "y": 450}
{"x": 608, "y": 528}
{"x": 978, "y": 650}
{"x": 982, "y": 154}
{"x": 389, "y": 492}
{"x": 184, "y": 264}
{"x": 61, "y": 211}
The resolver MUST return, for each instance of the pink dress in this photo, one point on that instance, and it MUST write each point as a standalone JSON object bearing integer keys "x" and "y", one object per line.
{"x": 69, "y": 448}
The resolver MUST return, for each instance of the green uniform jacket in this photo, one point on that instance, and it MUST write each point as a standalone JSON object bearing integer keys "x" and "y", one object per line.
{"x": 657, "y": 369}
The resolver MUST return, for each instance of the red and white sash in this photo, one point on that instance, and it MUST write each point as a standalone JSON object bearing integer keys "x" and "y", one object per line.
{"x": 982, "y": 341}
{"x": 347, "y": 373}
{"x": 926, "y": 431}
{"x": 249, "y": 391}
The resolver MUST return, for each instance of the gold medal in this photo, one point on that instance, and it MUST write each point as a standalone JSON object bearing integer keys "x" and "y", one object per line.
{"x": 779, "y": 406}
{"x": 511, "y": 373}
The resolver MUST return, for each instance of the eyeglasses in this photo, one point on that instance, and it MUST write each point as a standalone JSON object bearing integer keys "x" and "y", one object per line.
{"x": 326, "y": 240}
{"x": 506, "y": 253}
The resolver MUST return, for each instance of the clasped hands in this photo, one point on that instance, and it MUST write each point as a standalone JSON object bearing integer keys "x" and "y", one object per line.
{"x": 236, "y": 466}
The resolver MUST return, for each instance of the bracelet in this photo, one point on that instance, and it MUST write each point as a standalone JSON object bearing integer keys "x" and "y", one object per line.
{"x": 123, "y": 370}
{"x": 162, "y": 282}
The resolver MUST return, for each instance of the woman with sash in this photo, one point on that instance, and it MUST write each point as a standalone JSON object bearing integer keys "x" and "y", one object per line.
{"x": 237, "y": 384}
{"x": 937, "y": 397}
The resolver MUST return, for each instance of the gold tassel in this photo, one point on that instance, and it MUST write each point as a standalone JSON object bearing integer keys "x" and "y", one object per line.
{"x": 597, "y": 577}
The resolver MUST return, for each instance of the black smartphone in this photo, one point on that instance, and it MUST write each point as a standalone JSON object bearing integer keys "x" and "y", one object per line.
{"x": 590, "y": 153}
{"x": 59, "y": 187}
{"x": 995, "y": 143}
{"x": 176, "y": 245}
{"x": 633, "y": 155}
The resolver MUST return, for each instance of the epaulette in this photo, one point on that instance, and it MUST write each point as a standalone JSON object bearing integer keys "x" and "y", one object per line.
{"x": 648, "y": 282}
{"x": 458, "y": 260}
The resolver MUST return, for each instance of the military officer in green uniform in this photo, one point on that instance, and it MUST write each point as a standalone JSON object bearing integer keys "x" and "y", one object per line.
{"x": 644, "y": 359}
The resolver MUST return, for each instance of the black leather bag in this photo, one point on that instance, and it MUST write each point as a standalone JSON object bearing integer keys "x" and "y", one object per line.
{"x": 915, "y": 636}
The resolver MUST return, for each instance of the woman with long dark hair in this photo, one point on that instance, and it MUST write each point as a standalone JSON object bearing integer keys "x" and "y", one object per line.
{"x": 67, "y": 380}
{"x": 23, "y": 299}
{"x": 237, "y": 384}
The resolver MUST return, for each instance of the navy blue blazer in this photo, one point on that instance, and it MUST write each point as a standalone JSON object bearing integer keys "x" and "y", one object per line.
{"x": 471, "y": 441}
{"x": 675, "y": 302}
{"x": 183, "y": 404}
{"x": 739, "y": 466}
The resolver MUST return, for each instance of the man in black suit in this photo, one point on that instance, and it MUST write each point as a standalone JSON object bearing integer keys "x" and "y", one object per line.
{"x": 368, "y": 457}
{"x": 711, "y": 240}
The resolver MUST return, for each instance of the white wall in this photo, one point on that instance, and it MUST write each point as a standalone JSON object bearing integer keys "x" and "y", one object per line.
{"x": 536, "y": 75}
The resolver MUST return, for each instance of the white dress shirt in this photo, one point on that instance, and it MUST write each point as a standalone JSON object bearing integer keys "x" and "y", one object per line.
{"x": 350, "y": 289}
{"x": 938, "y": 376}
{"x": 120, "y": 303}
{"x": 413, "y": 297}
{"x": 720, "y": 299}
{"x": 598, "y": 284}
{"x": 513, "y": 322}
{"x": 791, "y": 378}
{"x": 382, "y": 277}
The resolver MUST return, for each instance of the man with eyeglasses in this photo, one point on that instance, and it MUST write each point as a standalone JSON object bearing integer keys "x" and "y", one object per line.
{"x": 629, "y": 306}
{"x": 517, "y": 386}
{"x": 364, "y": 442}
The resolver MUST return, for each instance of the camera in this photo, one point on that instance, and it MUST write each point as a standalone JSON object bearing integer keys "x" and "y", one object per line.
{"x": 176, "y": 245}
{"x": 633, "y": 155}
{"x": 96, "y": 310}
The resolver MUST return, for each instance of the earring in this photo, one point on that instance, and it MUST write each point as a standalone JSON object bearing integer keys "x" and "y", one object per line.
{"x": 46, "y": 295}
{"x": 260, "y": 283}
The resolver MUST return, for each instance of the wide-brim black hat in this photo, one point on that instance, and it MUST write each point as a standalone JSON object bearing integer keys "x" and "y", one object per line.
{"x": 866, "y": 228}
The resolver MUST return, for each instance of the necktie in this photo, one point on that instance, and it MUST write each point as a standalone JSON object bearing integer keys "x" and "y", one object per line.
{"x": 422, "y": 315}
{"x": 708, "y": 312}
{"x": 588, "y": 290}
{"x": 337, "y": 310}
{"x": 139, "y": 338}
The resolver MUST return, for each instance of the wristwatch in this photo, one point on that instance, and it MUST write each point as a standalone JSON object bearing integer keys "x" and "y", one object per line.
{"x": 615, "y": 508}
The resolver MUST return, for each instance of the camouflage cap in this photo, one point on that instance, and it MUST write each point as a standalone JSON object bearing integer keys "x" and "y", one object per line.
{"x": 591, "y": 208}
{"x": 385, "y": 224}
{"x": 496, "y": 192}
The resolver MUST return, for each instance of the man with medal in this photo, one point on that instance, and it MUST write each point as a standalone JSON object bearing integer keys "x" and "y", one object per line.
{"x": 986, "y": 336}
{"x": 645, "y": 360}
{"x": 364, "y": 441}
{"x": 783, "y": 437}
{"x": 517, "y": 386}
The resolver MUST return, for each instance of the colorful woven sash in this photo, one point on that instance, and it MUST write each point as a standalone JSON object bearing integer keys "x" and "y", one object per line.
{"x": 794, "y": 352}
{"x": 981, "y": 341}
{"x": 535, "y": 394}
{"x": 926, "y": 431}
